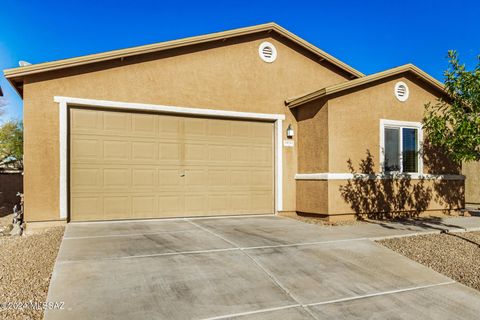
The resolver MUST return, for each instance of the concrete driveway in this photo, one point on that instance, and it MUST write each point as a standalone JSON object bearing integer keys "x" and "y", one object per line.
{"x": 244, "y": 268}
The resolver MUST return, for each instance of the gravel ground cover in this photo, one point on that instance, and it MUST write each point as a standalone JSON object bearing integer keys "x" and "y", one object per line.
{"x": 456, "y": 255}
{"x": 4, "y": 220}
{"x": 26, "y": 264}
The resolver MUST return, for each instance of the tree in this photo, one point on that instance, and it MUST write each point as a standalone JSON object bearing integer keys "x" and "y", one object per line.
{"x": 11, "y": 141}
{"x": 453, "y": 122}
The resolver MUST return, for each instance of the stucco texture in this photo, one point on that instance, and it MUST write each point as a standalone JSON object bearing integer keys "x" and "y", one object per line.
{"x": 225, "y": 75}
{"x": 353, "y": 146}
{"x": 313, "y": 147}
{"x": 471, "y": 170}
{"x": 357, "y": 114}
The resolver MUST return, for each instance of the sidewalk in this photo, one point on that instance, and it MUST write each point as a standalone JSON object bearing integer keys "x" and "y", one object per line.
{"x": 377, "y": 230}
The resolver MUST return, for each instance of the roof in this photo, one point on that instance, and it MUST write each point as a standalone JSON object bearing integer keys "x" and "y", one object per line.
{"x": 19, "y": 72}
{"x": 324, "y": 92}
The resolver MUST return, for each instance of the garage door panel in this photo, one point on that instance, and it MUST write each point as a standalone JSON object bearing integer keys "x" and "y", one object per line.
{"x": 127, "y": 165}
{"x": 117, "y": 207}
{"x": 218, "y": 128}
{"x": 144, "y": 151}
{"x": 240, "y": 202}
{"x": 218, "y": 153}
{"x": 195, "y": 177}
{"x": 144, "y": 125}
{"x": 240, "y": 131}
{"x": 218, "y": 178}
{"x": 261, "y": 202}
{"x": 169, "y": 126}
{"x": 195, "y": 152}
{"x": 116, "y": 178}
{"x": 87, "y": 178}
{"x": 171, "y": 205}
{"x": 169, "y": 151}
{"x": 144, "y": 206}
{"x": 88, "y": 207}
{"x": 195, "y": 204}
{"x": 170, "y": 177}
{"x": 144, "y": 178}
{"x": 261, "y": 179}
{"x": 117, "y": 122}
{"x": 87, "y": 121}
{"x": 116, "y": 150}
{"x": 85, "y": 149}
{"x": 262, "y": 155}
{"x": 219, "y": 204}
{"x": 195, "y": 127}
{"x": 240, "y": 178}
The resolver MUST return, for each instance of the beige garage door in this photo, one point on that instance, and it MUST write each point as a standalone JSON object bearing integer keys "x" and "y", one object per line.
{"x": 126, "y": 165}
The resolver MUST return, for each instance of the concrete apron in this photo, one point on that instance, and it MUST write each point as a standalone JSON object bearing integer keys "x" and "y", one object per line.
{"x": 245, "y": 267}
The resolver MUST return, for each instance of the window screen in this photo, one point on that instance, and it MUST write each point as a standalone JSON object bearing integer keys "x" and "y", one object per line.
{"x": 409, "y": 148}
{"x": 392, "y": 149}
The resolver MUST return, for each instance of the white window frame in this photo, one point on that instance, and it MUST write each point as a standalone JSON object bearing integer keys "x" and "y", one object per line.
{"x": 384, "y": 123}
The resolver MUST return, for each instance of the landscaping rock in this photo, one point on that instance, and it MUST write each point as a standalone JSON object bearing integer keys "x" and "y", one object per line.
{"x": 16, "y": 230}
{"x": 5, "y": 230}
{"x": 456, "y": 255}
{"x": 26, "y": 264}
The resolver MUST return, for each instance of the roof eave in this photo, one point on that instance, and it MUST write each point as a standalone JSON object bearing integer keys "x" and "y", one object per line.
{"x": 297, "y": 101}
{"x": 19, "y": 72}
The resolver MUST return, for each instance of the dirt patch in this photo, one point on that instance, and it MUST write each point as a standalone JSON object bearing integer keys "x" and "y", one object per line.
{"x": 318, "y": 220}
{"x": 26, "y": 264}
{"x": 455, "y": 255}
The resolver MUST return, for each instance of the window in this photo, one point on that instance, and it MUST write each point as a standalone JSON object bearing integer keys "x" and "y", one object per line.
{"x": 400, "y": 146}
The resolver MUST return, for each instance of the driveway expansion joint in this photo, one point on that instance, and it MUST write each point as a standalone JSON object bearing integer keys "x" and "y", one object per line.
{"x": 305, "y": 306}
{"x": 128, "y": 235}
{"x": 259, "y": 265}
{"x": 383, "y": 293}
{"x": 318, "y": 301}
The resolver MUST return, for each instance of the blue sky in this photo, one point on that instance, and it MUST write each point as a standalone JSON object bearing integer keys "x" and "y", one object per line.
{"x": 368, "y": 35}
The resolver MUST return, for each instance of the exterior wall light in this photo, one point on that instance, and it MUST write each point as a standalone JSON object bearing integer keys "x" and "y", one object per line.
{"x": 290, "y": 132}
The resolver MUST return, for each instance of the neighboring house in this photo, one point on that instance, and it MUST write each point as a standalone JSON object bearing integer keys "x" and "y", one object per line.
{"x": 248, "y": 121}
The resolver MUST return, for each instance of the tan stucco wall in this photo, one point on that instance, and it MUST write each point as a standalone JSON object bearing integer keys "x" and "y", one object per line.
{"x": 393, "y": 196}
{"x": 313, "y": 132}
{"x": 471, "y": 170}
{"x": 312, "y": 196}
{"x": 354, "y": 123}
{"x": 225, "y": 75}
{"x": 353, "y": 130}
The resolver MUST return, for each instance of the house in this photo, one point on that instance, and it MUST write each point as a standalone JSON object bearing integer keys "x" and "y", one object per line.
{"x": 248, "y": 121}
{"x": 471, "y": 170}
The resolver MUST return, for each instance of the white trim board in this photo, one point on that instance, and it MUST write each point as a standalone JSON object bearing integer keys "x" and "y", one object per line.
{"x": 79, "y": 102}
{"x": 64, "y": 102}
{"x": 379, "y": 176}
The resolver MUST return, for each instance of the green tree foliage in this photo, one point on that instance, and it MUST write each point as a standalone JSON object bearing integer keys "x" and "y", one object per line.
{"x": 11, "y": 141}
{"x": 453, "y": 122}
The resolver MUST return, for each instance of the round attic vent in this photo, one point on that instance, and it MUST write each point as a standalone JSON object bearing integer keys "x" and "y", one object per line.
{"x": 401, "y": 91}
{"x": 267, "y": 52}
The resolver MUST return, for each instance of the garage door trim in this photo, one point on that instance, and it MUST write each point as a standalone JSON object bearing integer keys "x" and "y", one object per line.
{"x": 64, "y": 102}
